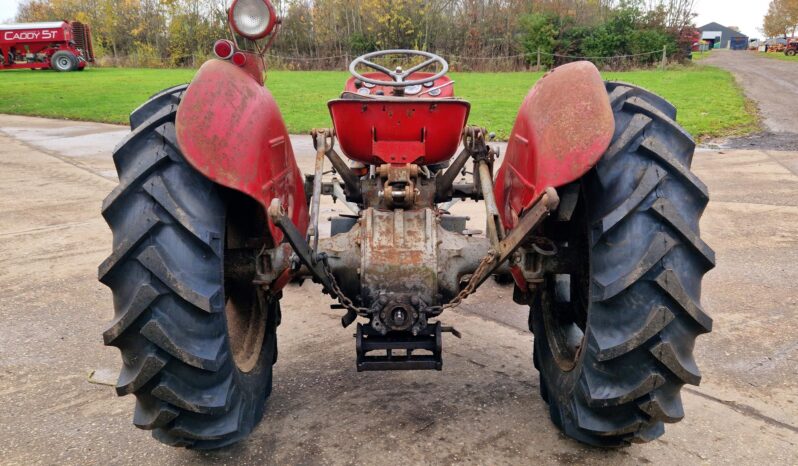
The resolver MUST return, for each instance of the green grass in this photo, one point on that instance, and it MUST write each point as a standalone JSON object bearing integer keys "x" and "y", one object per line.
{"x": 708, "y": 101}
{"x": 780, "y": 56}
{"x": 698, "y": 56}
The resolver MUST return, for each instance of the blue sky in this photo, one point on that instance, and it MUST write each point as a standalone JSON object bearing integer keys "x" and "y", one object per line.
{"x": 745, "y": 14}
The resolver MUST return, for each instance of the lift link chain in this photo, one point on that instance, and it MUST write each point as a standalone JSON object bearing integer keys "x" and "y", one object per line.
{"x": 476, "y": 278}
{"x": 336, "y": 290}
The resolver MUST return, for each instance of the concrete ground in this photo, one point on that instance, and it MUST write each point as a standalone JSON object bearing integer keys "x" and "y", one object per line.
{"x": 773, "y": 85}
{"x": 483, "y": 408}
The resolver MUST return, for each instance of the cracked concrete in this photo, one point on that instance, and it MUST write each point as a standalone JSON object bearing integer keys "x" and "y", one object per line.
{"x": 483, "y": 408}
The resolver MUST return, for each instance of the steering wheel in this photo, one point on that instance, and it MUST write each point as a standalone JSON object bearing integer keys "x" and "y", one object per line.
{"x": 398, "y": 77}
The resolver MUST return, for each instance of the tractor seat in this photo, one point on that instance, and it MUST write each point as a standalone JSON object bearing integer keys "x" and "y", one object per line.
{"x": 398, "y": 130}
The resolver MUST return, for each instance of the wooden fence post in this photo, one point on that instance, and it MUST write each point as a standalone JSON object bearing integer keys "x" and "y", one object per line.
{"x": 664, "y": 56}
{"x": 538, "y": 68}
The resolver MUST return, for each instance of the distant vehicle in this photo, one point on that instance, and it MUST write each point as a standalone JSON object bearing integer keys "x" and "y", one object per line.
{"x": 775, "y": 45}
{"x": 792, "y": 48}
{"x": 59, "y": 45}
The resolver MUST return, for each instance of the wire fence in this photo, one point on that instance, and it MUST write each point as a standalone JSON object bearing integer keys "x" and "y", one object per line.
{"x": 534, "y": 61}
{"x": 537, "y": 61}
{"x": 658, "y": 58}
{"x": 515, "y": 62}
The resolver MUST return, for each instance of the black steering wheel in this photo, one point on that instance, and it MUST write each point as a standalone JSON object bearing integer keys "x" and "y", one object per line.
{"x": 398, "y": 76}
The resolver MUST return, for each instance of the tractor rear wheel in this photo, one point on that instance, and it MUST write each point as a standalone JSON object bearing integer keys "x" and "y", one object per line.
{"x": 790, "y": 52}
{"x": 197, "y": 343}
{"x": 63, "y": 61}
{"x": 614, "y": 337}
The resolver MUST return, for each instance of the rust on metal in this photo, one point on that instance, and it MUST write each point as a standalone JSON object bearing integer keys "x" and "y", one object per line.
{"x": 564, "y": 126}
{"x": 230, "y": 129}
{"x": 320, "y": 140}
{"x": 399, "y": 253}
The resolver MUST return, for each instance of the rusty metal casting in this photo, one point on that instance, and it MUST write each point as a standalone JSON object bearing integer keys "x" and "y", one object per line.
{"x": 322, "y": 147}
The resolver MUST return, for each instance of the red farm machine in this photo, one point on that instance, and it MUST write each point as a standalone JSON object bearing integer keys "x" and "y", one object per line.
{"x": 59, "y": 45}
{"x": 593, "y": 212}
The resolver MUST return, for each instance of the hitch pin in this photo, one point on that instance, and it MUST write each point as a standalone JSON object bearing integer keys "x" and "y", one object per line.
{"x": 452, "y": 330}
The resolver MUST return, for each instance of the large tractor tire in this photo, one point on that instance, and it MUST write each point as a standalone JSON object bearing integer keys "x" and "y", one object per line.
{"x": 614, "y": 337}
{"x": 197, "y": 345}
{"x": 63, "y": 61}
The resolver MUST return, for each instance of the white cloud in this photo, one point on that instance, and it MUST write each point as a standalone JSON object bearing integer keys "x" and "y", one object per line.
{"x": 8, "y": 9}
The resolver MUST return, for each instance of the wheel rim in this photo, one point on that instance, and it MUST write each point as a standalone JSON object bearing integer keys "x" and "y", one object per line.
{"x": 565, "y": 298}
{"x": 63, "y": 63}
{"x": 564, "y": 330}
{"x": 246, "y": 310}
{"x": 246, "y": 314}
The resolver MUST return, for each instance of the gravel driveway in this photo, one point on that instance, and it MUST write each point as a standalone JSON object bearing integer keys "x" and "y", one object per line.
{"x": 773, "y": 85}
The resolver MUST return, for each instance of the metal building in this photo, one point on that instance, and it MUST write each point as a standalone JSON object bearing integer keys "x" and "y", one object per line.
{"x": 721, "y": 37}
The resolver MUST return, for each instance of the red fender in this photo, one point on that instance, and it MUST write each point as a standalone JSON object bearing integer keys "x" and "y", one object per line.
{"x": 230, "y": 129}
{"x": 563, "y": 128}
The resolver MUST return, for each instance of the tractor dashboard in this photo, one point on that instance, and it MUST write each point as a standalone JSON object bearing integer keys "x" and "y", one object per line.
{"x": 442, "y": 87}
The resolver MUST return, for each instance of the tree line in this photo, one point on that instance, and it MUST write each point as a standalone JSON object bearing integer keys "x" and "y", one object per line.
{"x": 324, "y": 34}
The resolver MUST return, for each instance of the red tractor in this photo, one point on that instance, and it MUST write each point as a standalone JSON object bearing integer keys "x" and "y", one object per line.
{"x": 58, "y": 45}
{"x": 594, "y": 213}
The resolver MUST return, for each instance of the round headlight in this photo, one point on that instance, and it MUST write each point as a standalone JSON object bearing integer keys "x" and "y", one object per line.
{"x": 253, "y": 19}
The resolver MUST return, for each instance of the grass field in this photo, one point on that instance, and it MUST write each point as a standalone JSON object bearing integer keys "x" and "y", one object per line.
{"x": 698, "y": 56}
{"x": 780, "y": 56}
{"x": 708, "y": 101}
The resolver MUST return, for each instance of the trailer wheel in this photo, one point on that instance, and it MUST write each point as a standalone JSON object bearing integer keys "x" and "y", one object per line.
{"x": 63, "y": 61}
{"x": 197, "y": 343}
{"x": 614, "y": 337}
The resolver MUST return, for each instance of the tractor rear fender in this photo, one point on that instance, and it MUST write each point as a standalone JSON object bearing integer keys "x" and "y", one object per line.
{"x": 563, "y": 128}
{"x": 230, "y": 129}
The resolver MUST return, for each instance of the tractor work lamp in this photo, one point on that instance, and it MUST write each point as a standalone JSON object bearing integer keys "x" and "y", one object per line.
{"x": 253, "y": 19}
